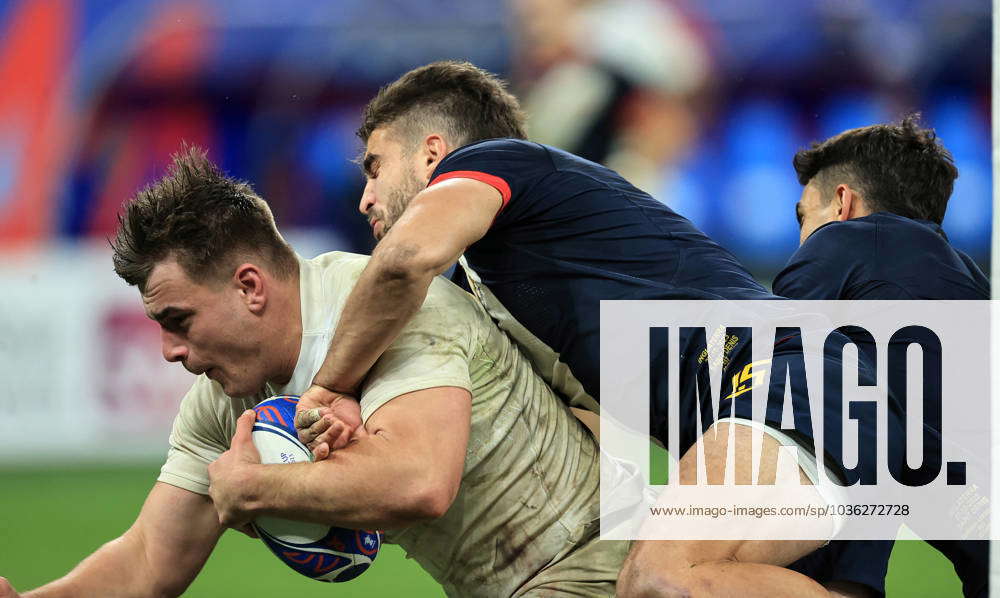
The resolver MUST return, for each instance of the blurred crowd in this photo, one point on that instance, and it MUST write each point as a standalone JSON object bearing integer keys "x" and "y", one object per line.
{"x": 701, "y": 103}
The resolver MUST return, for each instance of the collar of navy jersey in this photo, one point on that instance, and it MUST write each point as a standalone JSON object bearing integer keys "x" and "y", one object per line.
{"x": 934, "y": 226}
{"x": 437, "y": 169}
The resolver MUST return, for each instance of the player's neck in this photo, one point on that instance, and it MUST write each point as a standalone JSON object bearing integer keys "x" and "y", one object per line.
{"x": 287, "y": 330}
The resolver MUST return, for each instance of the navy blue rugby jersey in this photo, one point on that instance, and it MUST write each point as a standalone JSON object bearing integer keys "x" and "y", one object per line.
{"x": 880, "y": 256}
{"x": 571, "y": 233}
{"x": 886, "y": 256}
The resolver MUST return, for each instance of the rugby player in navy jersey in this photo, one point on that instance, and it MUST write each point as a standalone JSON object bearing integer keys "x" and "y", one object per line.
{"x": 543, "y": 236}
{"x": 870, "y": 218}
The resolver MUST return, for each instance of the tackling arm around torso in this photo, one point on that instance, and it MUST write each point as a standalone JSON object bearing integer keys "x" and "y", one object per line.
{"x": 429, "y": 237}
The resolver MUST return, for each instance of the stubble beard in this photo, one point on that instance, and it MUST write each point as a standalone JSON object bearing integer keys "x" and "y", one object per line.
{"x": 399, "y": 199}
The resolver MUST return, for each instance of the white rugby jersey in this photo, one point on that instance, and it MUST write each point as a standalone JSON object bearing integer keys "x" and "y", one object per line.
{"x": 529, "y": 498}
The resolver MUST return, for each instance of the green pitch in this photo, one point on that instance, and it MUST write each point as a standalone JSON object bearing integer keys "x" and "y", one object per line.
{"x": 51, "y": 518}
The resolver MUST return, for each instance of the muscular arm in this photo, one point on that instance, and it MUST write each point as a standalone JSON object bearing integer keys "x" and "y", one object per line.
{"x": 158, "y": 556}
{"x": 435, "y": 229}
{"x": 406, "y": 467}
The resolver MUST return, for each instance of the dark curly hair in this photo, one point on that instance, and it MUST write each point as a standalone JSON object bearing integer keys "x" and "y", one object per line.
{"x": 465, "y": 102}
{"x": 899, "y": 168}
{"x": 201, "y": 218}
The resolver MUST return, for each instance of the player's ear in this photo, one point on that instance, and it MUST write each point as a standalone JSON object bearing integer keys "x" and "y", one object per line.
{"x": 249, "y": 280}
{"x": 851, "y": 204}
{"x": 843, "y": 198}
{"x": 435, "y": 149}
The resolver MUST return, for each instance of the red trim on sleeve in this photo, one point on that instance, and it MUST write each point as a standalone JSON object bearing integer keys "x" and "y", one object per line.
{"x": 493, "y": 181}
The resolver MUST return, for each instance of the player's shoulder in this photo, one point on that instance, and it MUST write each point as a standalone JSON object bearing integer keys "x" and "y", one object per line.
{"x": 338, "y": 261}
{"x": 450, "y": 303}
{"x": 331, "y": 274}
{"x": 342, "y": 270}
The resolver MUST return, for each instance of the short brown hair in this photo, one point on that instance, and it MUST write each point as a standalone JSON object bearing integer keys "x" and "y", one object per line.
{"x": 468, "y": 103}
{"x": 201, "y": 218}
{"x": 899, "y": 168}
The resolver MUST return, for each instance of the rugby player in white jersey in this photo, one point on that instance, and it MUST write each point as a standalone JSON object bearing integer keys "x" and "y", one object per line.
{"x": 465, "y": 457}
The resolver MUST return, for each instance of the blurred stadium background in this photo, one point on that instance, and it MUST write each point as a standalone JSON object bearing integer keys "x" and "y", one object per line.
{"x": 702, "y": 103}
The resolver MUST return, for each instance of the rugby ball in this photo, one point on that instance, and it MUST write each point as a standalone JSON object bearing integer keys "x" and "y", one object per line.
{"x": 315, "y": 550}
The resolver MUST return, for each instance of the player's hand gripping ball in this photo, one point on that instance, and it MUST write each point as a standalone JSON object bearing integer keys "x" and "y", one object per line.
{"x": 315, "y": 550}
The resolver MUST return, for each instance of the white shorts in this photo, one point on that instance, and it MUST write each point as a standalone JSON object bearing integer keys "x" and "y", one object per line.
{"x": 830, "y": 493}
